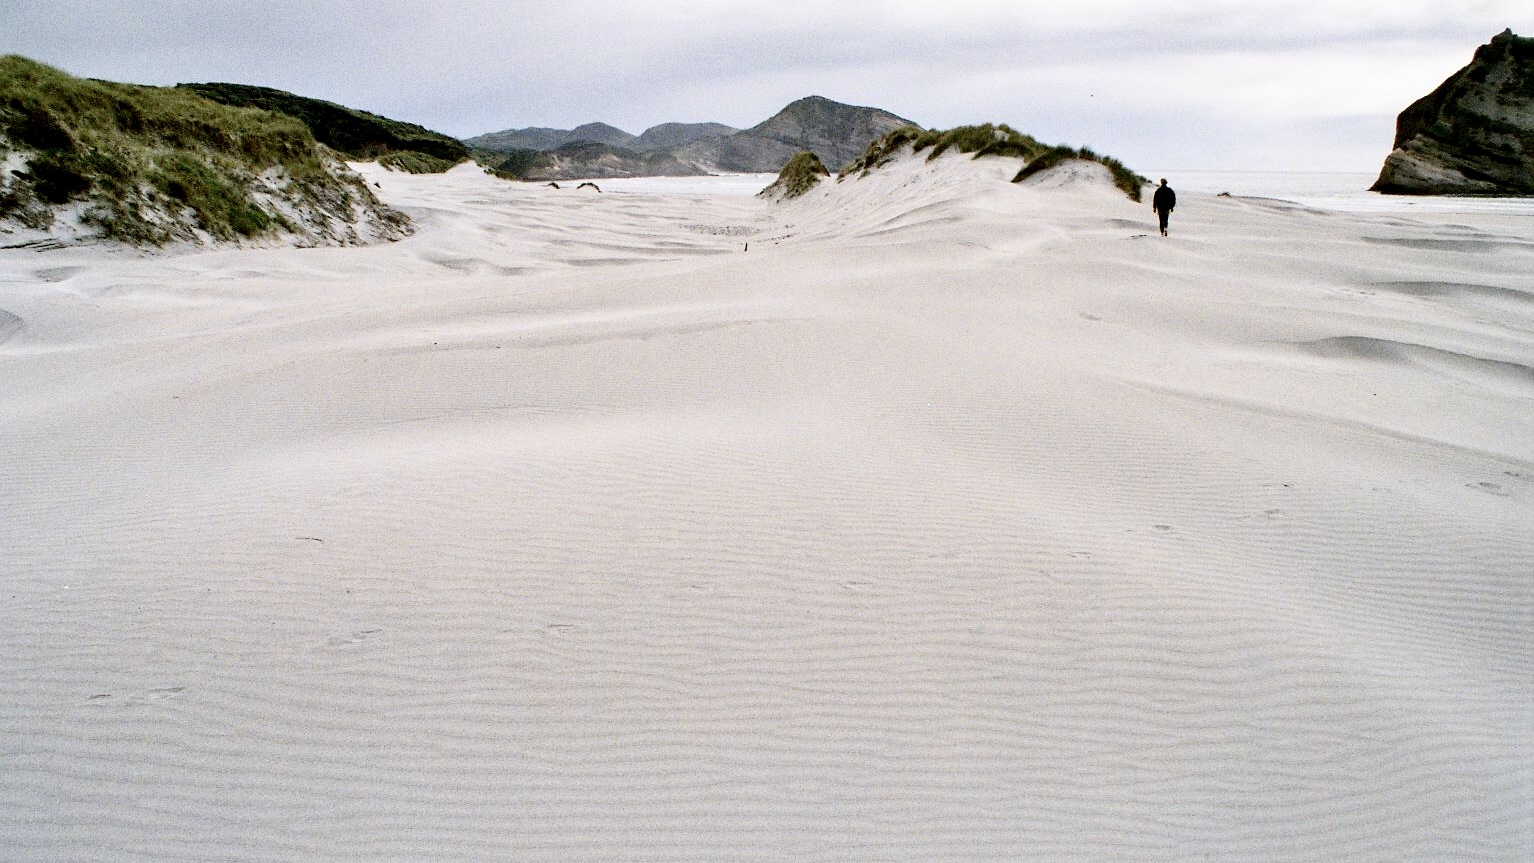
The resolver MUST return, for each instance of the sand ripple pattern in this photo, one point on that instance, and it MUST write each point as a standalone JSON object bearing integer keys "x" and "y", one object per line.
{"x": 1062, "y": 547}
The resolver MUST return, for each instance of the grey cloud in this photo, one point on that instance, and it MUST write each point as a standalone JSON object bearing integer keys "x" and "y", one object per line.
{"x": 476, "y": 66}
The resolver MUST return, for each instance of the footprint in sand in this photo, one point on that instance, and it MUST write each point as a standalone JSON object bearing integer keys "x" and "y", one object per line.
{"x": 159, "y": 693}
{"x": 357, "y": 637}
{"x": 1489, "y": 487}
{"x": 54, "y": 275}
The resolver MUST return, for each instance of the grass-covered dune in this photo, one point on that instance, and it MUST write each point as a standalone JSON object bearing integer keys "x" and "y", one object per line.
{"x": 153, "y": 165}
{"x": 989, "y": 140}
{"x": 355, "y": 134}
{"x": 802, "y": 173}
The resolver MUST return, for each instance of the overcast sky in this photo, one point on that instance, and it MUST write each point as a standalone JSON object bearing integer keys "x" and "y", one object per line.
{"x": 1211, "y": 84}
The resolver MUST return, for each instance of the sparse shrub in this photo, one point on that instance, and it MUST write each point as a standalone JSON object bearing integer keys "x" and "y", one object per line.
{"x": 58, "y": 176}
{"x": 881, "y": 151}
{"x": 987, "y": 140}
{"x": 1124, "y": 179}
{"x": 19, "y": 205}
{"x": 413, "y": 162}
{"x": 1051, "y": 158}
{"x": 984, "y": 140}
{"x": 32, "y": 125}
{"x": 222, "y": 209}
{"x": 802, "y": 173}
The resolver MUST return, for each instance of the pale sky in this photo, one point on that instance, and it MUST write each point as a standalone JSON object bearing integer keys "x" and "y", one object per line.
{"x": 1192, "y": 84}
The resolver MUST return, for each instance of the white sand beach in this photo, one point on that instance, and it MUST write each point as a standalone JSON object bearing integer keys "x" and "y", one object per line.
{"x": 928, "y": 517}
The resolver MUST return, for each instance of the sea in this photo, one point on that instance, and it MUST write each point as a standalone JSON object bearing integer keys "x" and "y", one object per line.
{"x": 1343, "y": 191}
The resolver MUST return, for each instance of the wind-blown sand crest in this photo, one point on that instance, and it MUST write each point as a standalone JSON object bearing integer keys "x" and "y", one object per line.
{"x": 955, "y": 519}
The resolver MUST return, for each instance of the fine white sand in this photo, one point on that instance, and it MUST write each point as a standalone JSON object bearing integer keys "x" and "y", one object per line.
{"x": 954, "y": 520}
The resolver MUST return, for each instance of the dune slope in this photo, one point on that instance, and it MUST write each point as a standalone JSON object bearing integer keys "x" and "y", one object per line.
{"x": 927, "y": 516}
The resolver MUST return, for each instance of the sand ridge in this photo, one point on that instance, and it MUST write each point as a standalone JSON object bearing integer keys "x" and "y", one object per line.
{"x": 948, "y": 519}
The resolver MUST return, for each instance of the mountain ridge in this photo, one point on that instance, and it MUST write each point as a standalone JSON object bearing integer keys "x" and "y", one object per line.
{"x": 835, "y": 132}
{"x": 663, "y": 136}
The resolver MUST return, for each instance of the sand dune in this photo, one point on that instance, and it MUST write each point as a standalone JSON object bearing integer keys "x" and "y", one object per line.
{"x": 927, "y": 517}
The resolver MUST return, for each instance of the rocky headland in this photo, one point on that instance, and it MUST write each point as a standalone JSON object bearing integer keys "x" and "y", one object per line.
{"x": 1474, "y": 135}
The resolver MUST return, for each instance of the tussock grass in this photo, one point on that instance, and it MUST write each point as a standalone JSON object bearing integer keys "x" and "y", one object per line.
{"x": 152, "y": 165}
{"x": 987, "y": 140}
{"x": 1124, "y": 179}
{"x": 415, "y": 162}
{"x": 984, "y": 140}
{"x": 356, "y": 135}
{"x": 802, "y": 173}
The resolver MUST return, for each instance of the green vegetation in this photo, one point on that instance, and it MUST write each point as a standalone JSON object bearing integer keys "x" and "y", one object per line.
{"x": 881, "y": 152}
{"x": 984, "y": 140}
{"x": 514, "y": 164}
{"x": 151, "y": 165}
{"x": 1124, "y": 179}
{"x": 987, "y": 140}
{"x": 802, "y": 173}
{"x": 356, "y": 135}
{"x": 413, "y": 162}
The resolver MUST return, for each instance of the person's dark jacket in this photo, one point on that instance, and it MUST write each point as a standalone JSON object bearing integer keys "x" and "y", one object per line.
{"x": 1165, "y": 199}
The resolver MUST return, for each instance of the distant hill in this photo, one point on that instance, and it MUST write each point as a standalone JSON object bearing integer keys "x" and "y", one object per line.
{"x": 834, "y": 132}
{"x": 88, "y": 160}
{"x": 511, "y": 140}
{"x": 551, "y": 139}
{"x": 355, "y": 134}
{"x": 590, "y": 160}
{"x": 665, "y": 137}
{"x": 669, "y": 136}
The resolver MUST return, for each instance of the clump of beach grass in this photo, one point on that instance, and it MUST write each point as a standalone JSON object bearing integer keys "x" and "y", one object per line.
{"x": 1124, "y": 179}
{"x": 801, "y": 174}
{"x": 988, "y": 139}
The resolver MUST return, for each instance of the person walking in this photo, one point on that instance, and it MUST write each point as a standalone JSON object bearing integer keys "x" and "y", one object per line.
{"x": 1163, "y": 202}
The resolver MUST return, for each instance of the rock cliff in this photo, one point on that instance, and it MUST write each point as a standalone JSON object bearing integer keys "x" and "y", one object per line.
{"x": 1474, "y": 135}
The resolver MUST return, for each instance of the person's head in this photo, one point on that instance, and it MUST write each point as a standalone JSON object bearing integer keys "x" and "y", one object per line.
{"x": 1163, "y": 181}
